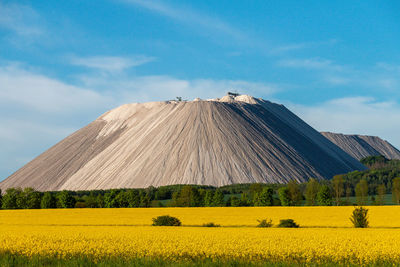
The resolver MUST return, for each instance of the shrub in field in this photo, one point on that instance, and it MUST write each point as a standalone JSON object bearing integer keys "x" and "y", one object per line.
{"x": 264, "y": 223}
{"x": 166, "y": 220}
{"x": 211, "y": 224}
{"x": 359, "y": 218}
{"x": 288, "y": 223}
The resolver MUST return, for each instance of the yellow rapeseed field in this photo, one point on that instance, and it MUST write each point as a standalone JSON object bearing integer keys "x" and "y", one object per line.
{"x": 325, "y": 234}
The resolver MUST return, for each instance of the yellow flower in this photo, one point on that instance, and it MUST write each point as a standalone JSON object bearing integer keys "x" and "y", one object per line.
{"x": 325, "y": 235}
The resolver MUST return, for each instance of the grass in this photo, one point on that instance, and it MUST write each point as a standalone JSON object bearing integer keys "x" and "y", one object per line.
{"x": 12, "y": 260}
{"x": 387, "y": 200}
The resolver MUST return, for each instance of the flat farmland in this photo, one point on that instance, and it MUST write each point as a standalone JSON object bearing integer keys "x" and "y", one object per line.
{"x": 325, "y": 235}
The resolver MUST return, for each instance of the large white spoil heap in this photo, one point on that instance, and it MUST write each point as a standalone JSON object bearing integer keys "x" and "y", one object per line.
{"x": 234, "y": 139}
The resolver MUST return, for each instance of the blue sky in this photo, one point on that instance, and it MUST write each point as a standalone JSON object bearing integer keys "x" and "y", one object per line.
{"x": 63, "y": 63}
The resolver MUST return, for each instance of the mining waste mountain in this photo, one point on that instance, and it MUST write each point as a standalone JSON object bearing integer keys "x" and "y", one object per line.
{"x": 361, "y": 146}
{"x": 234, "y": 139}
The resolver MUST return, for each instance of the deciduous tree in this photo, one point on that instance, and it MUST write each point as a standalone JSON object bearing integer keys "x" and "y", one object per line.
{"x": 66, "y": 199}
{"x": 295, "y": 193}
{"x": 362, "y": 192}
{"x": 312, "y": 192}
{"x": 381, "y": 190}
{"x": 324, "y": 197}
{"x": 265, "y": 197}
{"x": 396, "y": 190}
{"x": 218, "y": 199}
{"x": 10, "y": 198}
{"x": 48, "y": 201}
{"x": 91, "y": 201}
{"x": 33, "y": 198}
{"x": 208, "y": 198}
{"x": 145, "y": 200}
{"x": 235, "y": 201}
{"x": 133, "y": 198}
{"x": 188, "y": 197}
{"x": 245, "y": 200}
{"x": 284, "y": 196}
{"x": 338, "y": 188}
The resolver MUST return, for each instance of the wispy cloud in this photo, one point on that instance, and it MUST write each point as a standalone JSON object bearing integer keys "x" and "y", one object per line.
{"x": 302, "y": 45}
{"x": 311, "y": 63}
{"x": 377, "y": 77}
{"x": 20, "y": 19}
{"x": 387, "y": 76}
{"x": 388, "y": 67}
{"x": 188, "y": 16}
{"x": 110, "y": 63}
{"x": 325, "y": 72}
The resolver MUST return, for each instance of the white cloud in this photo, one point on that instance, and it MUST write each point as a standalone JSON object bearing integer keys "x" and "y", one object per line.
{"x": 33, "y": 91}
{"x": 354, "y": 115}
{"x": 20, "y": 19}
{"x": 110, "y": 63}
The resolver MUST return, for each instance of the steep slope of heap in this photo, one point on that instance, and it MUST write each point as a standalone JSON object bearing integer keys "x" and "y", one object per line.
{"x": 213, "y": 142}
{"x": 361, "y": 146}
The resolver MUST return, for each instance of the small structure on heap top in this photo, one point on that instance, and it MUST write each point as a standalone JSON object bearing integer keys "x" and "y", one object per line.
{"x": 234, "y": 94}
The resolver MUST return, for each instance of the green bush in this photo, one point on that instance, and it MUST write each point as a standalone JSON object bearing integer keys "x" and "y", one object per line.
{"x": 359, "y": 218}
{"x": 211, "y": 224}
{"x": 288, "y": 223}
{"x": 166, "y": 220}
{"x": 264, "y": 223}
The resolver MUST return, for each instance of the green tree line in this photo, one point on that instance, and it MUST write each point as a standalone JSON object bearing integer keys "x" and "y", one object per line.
{"x": 371, "y": 186}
